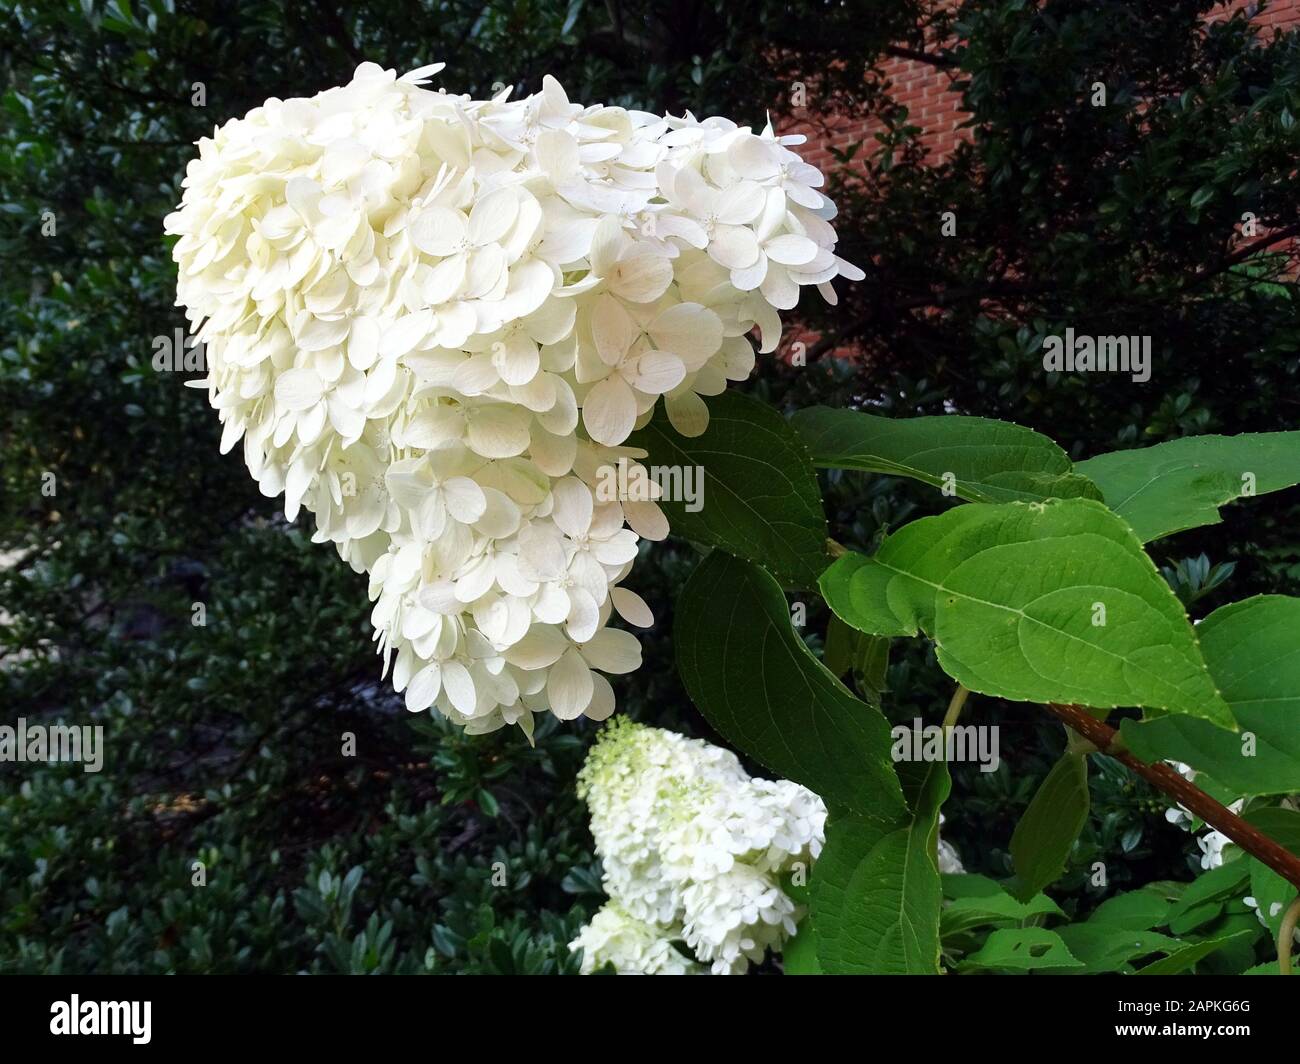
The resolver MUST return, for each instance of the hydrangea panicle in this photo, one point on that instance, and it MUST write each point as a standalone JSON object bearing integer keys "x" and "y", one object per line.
{"x": 432, "y": 320}
{"x": 693, "y": 847}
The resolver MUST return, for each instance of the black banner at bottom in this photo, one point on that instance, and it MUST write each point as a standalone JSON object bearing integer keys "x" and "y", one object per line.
{"x": 338, "y": 1013}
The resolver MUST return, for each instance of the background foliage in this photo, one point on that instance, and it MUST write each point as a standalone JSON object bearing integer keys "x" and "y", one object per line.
{"x": 428, "y": 851}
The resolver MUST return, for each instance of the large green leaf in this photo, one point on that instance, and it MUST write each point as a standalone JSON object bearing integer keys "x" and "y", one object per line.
{"x": 876, "y": 892}
{"x": 978, "y": 901}
{"x": 1041, "y": 843}
{"x": 760, "y": 498}
{"x": 1181, "y": 484}
{"x": 1107, "y": 948}
{"x": 1206, "y": 895}
{"x": 974, "y": 458}
{"x": 1135, "y": 910}
{"x": 1012, "y": 594}
{"x": 1023, "y": 949}
{"x": 1187, "y": 955}
{"x": 765, "y": 692}
{"x": 1252, "y": 649}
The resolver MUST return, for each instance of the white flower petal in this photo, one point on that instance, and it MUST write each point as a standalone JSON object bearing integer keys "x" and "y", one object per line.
{"x": 632, "y": 607}
{"x": 492, "y": 216}
{"x": 641, "y": 277}
{"x": 790, "y": 249}
{"x": 459, "y": 685}
{"x": 584, "y": 615}
{"x": 363, "y": 343}
{"x": 687, "y": 413}
{"x": 569, "y": 686}
{"x": 573, "y": 507}
{"x": 517, "y": 360}
{"x": 613, "y": 650}
{"x": 319, "y": 333}
{"x": 464, "y": 499}
{"x": 439, "y": 231}
{"x": 741, "y": 204}
{"x": 612, "y": 329}
{"x": 299, "y": 389}
{"x": 609, "y": 411}
{"x": 689, "y": 330}
{"x": 542, "y": 646}
{"x": 557, "y": 155}
{"x": 733, "y": 246}
{"x": 423, "y": 689}
{"x": 497, "y": 431}
{"x": 657, "y": 372}
{"x": 646, "y": 519}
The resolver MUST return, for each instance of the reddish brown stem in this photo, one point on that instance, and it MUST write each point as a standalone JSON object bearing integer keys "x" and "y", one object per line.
{"x": 1186, "y": 793}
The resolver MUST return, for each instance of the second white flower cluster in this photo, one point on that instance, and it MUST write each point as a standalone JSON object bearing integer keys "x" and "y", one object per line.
{"x": 693, "y": 850}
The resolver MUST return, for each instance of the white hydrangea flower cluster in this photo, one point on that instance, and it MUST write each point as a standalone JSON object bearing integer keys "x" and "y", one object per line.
{"x": 692, "y": 849}
{"x": 433, "y": 321}
{"x": 632, "y": 946}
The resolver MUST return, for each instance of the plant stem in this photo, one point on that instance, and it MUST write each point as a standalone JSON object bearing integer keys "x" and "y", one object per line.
{"x": 954, "y": 707}
{"x": 1285, "y": 934}
{"x": 1161, "y": 776}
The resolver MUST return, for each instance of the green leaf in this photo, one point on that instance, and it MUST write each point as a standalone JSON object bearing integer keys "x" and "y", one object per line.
{"x": 876, "y": 893}
{"x": 964, "y": 913}
{"x": 1182, "y": 959}
{"x": 841, "y": 643}
{"x": 1208, "y": 893}
{"x": 1041, "y": 843}
{"x": 758, "y": 684}
{"x": 866, "y": 656}
{"x": 1013, "y": 594}
{"x": 1023, "y": 949}
{"x": 974, "y": 458}
{"x": 1269, "y": 889}
{"x": 1268, "y": 968}
{"x": 970, "y": 885}
{"x": 1280, "y": 825}
{"x": 487, "y": 801}
{"x": 1109, "y": 948}
{"x": 1239, "y": 955}
{"x": 1181, "y": 484}
{"x": 759, "y": 500}
{"x": 1136, "y": 910}
{"x": 871, "y": 666}
{"x": 1195, "y": 917}
{"x": 1271, "y": 892}
{"x": 1254, "y": 657}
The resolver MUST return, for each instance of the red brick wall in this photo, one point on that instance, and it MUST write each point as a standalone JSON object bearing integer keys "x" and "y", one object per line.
{"x": 923, "y": 89}
{"x": 1281, "y": 13}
